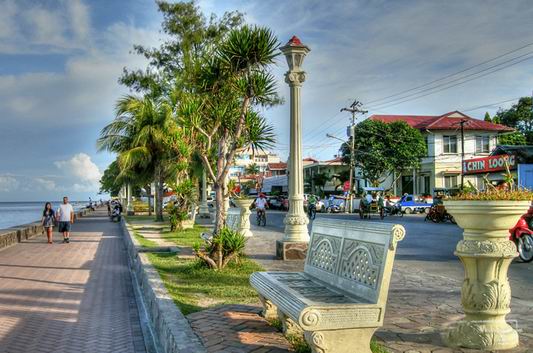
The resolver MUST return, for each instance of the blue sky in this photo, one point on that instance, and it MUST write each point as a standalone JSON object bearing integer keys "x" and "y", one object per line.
{"x": 60, "y": 61}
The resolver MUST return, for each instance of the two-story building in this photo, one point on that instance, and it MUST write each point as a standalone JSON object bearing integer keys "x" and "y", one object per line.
{"x": 444, "y": 137}
{"x": 246, "y": 157}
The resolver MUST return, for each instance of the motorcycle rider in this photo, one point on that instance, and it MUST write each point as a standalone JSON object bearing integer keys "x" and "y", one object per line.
{"x": 311, "y": 205}
{"x": 261, "y": 204}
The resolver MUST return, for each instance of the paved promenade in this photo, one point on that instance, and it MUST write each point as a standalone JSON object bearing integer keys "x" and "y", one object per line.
{"x": 65, "y": 298}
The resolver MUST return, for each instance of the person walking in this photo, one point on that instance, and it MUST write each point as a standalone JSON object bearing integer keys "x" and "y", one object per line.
{"x": 48, "y": 220}
{"x": 65, "y": 216}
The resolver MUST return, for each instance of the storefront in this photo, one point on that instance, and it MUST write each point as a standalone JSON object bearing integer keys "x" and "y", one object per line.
{"x": 519, "y": 160}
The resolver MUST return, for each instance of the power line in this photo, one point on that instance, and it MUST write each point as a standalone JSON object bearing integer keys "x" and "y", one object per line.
{"x": 387, "y": 105}
{"x": 449, "y": 84}
{"x": 451, "y": 75}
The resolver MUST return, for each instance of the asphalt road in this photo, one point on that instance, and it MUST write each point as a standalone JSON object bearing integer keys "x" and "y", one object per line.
{"x": 429, "y": 247}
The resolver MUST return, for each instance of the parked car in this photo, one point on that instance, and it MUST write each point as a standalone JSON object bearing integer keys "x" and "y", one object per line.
{"x": 275, "y": 202}
{"x": 409, "y": 205}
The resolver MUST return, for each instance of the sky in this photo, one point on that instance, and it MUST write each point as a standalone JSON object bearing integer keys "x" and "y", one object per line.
{"x": 60, "y": 61}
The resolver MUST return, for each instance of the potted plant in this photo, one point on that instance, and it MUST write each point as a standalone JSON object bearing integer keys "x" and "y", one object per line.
{"x": 182, "y": 211}
{"x": 244, "y": 202}
{"x": 486, "y": 253}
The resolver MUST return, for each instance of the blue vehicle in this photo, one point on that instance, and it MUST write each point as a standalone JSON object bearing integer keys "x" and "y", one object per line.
{"x": 409, "y": 205}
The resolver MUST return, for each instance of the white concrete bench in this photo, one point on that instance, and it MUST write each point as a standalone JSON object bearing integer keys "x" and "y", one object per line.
{"x": 339, "y": 300}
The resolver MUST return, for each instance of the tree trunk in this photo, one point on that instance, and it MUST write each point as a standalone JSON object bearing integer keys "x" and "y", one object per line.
{"x": 220, "y": 212}
{"x": 159, "y": 215}
{"x": 149, "y": 194}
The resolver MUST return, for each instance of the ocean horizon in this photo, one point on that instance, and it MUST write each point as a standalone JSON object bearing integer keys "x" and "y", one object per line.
{"x": 14, "y": 214}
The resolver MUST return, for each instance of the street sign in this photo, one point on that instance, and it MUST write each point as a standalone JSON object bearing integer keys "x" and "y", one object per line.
{"x": 488, "y": 164}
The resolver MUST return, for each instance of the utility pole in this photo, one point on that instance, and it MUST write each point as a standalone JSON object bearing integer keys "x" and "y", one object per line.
{"x": 462, "y": 123}
{"x": 354, "y": 109}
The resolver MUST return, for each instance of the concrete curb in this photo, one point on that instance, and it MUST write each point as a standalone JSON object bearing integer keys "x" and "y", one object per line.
{"x": 170, "y": 331}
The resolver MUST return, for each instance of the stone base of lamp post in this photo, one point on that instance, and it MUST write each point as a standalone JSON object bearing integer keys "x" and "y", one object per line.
{"x": 203, "y": 211}
{"x": 291, "y": 250}
{"x": 129, "y": 210}
{"x": 294, "y": 244}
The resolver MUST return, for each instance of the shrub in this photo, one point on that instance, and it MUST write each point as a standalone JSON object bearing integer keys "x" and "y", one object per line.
{"x": 231, "y": 244}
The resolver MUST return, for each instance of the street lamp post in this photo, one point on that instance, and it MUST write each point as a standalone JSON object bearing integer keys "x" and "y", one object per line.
{"x": 296, "y": 233}
{"x": 129, "y": 206}
{"x": 204, "y": 207}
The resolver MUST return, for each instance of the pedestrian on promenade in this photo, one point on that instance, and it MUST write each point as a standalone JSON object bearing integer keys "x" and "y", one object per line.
{"x": 49, "y": 217}
{"x": 65, "y": 216}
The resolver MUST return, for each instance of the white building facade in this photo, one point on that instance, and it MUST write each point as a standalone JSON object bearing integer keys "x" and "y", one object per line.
{"x": 441, "y": 168}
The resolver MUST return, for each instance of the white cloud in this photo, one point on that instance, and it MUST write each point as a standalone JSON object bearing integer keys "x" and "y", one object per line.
{"x": 28, "y": 27}
{"x": 44, "y": 183}
{"x": 81, "y": 171}
{"x": 8, "y": 183}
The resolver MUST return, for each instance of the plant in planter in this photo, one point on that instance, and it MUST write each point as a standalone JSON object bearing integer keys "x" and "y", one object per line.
{"x": 486, "y": 253}
{"x": 181, "y": 212}
{"x": 243, "y": 201}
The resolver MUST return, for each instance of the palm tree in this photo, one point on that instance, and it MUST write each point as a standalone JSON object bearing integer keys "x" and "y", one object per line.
{"x": 252, "y": 169}
{"x": 141, "y": 135}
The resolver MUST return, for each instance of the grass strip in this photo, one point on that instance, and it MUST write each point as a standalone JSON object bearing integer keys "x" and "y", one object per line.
{"x": 185, "y": 237}
{"x": 194, "y": 287}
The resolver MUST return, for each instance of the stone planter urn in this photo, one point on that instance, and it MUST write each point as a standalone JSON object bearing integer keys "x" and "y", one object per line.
{"x": 486, "y": 253}
{"x": 244, "y": 224}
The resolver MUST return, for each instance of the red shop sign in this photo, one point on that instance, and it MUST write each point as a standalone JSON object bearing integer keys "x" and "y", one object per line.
{"x": 488, "y": 164}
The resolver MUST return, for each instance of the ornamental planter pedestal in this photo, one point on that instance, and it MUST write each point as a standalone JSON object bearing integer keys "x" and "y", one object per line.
{"x": 244, "y": 225}
{"x": 486, "y": 253}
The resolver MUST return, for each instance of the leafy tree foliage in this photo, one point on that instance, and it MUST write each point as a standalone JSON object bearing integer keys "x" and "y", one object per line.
{"x": 383, "y": 148}
{"x": 109, "y": 182}
{"x": 520, "y": 117}
{"x": 252, "y": 169}
{"x": 487, "y": 117}
{"x": 320, "y": 180}
{"x": 188, "y": 34}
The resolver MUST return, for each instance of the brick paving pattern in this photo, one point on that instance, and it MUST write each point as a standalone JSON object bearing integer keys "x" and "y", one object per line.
{"x": 65, "y": 298}
{"x": 237, "y": 329}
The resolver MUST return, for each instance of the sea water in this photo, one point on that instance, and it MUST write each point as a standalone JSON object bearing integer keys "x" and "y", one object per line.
{"x": 18, "y": 213}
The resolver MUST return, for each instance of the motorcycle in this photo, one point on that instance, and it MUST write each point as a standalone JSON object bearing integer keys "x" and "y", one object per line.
{"x": 522, "y": 235}
{"x": 311, "y": 211}
{"x": 438, "y": 213}
{"x": 393, "y": 210}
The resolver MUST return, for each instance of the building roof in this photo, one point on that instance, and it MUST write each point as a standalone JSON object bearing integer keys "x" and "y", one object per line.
{"x": 277, "y": 166}
{"x": 336, "y": 160}
{"x": 448, "y": 121}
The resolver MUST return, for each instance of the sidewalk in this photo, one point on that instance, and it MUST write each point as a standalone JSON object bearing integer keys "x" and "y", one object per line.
{"x": 420, "y": 305}
{"x": 69, "y": 298}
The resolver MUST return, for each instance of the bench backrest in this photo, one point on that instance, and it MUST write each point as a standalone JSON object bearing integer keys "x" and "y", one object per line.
{"x": 354, "y": 256}
{"x": 233, "y": 219}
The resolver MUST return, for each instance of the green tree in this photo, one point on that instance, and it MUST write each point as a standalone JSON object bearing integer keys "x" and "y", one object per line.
{"x": 252, "y": 169}
{"x": 384, "y": 148}
{"x": 146, "y": 138}
{"x": 520, "y": 117}
{"x": 487, "y": 117}
{"x": 515, "y": 138}
{"x": 218, "y": 103}
{"x": 110, "y": 182}
{"x": 319, "y": 180}
{"x": 188, "y": 32}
